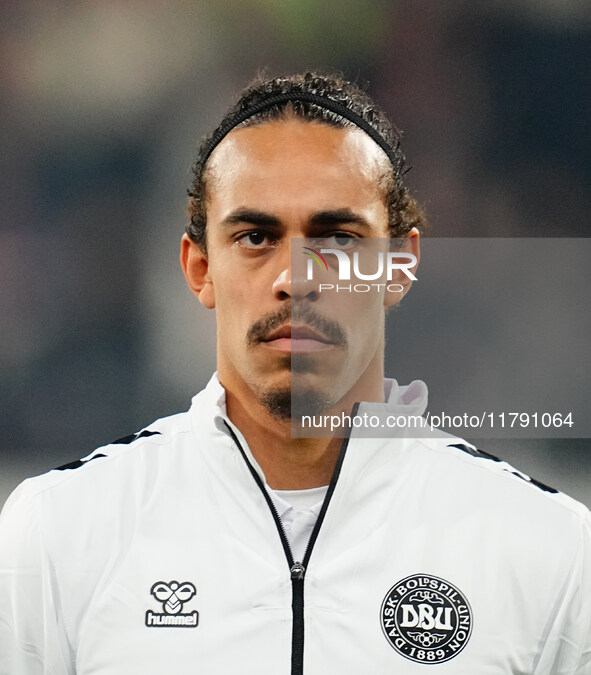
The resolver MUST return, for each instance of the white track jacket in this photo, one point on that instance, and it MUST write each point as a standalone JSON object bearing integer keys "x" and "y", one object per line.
{"x": 161, "y": 554}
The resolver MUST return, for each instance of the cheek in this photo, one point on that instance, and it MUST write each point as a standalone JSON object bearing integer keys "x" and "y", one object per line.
{"x": 360, "y": 312}
{"x": 235, "y": 309}
{"x": 365, "y": 316}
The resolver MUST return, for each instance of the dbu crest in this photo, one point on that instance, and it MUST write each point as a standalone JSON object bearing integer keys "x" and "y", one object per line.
{"x": 426, "y": 619}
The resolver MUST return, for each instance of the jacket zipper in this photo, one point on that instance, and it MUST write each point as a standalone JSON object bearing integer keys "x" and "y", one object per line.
{"x": 297, "y": 569}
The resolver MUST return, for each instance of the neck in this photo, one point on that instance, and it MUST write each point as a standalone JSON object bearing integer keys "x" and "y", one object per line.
{"x": 292, "y": 463}
{"x": 288, "y": 463}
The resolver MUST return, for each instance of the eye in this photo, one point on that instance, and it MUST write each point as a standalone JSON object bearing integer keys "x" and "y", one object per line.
{"x": 338, "y": 240}
{"x": 343, "y": 240}
{"x": 255, "y": 239}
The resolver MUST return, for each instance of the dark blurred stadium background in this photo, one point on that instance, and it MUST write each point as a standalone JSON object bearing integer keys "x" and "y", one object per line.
{"x": 103, "y": 105}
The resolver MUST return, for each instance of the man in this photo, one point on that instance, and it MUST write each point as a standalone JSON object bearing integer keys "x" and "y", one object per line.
{"x": 214, "y": 541}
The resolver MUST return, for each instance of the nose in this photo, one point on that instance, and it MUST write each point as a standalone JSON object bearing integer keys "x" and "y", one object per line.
{"x": 291, "y": 283}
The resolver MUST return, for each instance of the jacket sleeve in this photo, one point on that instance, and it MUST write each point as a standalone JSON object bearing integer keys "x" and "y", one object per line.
{"x": 567, "y": 645}
{"x": 33, "y": 640}
{"x": 584, "y": 665}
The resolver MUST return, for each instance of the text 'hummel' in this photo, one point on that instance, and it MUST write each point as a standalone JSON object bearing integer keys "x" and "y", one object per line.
{"x": 173, "y": 595}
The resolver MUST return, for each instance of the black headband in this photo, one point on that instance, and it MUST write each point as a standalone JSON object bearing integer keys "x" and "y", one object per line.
{"x": 394, "y": 155}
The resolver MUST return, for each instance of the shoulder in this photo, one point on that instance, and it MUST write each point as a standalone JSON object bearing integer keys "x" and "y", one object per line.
{"x": 108, "y": 471}
{"x": 115, "y": 481}
{"x": 486, "y": 479}
{"x": 93, "y": 504}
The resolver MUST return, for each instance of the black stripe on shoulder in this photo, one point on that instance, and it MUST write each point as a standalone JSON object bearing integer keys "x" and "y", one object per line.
{"x": 78, "y": 463}
{"x": 133, "y": 437}
{"x": 475, "y": 452}
{"x": 537, "y": 483}
{"x": 121, "y": 441}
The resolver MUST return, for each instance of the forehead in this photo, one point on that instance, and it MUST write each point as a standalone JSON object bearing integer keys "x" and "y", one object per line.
{"x": 279, "y": 159}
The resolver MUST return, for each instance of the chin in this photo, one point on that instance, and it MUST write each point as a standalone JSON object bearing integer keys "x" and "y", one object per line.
{"x": 285, "y": 404}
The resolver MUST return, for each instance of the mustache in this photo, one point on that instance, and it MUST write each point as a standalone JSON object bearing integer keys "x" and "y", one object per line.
{"x": 300, "y": 313}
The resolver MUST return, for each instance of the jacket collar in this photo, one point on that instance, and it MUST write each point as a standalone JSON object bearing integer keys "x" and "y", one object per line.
{"x": 411, "y": 399}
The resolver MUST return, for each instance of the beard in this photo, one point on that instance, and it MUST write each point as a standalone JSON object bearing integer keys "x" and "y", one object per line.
{"x": 289, "y": 405}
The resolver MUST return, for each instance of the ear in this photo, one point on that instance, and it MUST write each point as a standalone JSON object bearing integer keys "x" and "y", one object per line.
{"x": 401, "y": 282}
{"x": 195, "y": 266}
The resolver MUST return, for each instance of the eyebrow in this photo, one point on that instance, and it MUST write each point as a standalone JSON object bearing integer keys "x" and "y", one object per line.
{"x": 329, "y": 218}
{"x": 337, "y": 217}
{"x": 252, "y": 216}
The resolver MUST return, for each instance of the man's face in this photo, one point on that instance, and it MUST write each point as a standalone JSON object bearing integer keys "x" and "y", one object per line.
{"x": 266, "y": 185}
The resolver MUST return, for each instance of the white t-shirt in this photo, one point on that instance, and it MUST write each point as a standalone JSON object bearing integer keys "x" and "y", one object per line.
{"x": 298, "y": 510}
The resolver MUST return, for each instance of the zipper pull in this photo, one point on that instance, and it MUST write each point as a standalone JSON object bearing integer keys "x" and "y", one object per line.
{"x": 297, "y": 571}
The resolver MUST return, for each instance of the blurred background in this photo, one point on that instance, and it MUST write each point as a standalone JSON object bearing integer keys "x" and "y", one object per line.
{"x": 104, "y": 103}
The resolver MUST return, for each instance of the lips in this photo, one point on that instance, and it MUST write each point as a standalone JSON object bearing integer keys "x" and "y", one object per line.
{"x": 307, "y": 329}
{"x": 290, "y": 338}
{"x": 297, "y": 333}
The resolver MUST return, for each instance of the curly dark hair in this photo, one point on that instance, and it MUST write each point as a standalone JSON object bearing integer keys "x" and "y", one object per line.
{"x": 404, "y": 211}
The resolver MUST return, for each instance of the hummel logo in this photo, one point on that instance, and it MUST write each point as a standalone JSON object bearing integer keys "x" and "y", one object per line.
{"x": 173, "y": 595}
